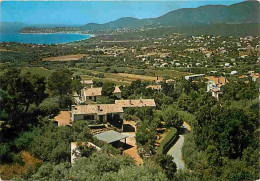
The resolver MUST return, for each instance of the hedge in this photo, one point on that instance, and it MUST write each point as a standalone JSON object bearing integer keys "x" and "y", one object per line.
{"x": 167, "y": 140}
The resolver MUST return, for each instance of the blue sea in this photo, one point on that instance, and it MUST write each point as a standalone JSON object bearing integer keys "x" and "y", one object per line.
{"x": 55, "y": 38}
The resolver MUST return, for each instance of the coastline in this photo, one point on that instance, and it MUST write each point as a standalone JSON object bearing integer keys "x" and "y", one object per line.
{"x": 91, "y": 35}
{"x": 81, "y": 35}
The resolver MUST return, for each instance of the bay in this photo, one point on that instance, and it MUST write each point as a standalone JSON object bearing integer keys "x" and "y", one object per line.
{"x": 55, "y": 38}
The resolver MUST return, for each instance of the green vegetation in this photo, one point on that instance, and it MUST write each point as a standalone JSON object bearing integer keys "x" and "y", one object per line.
{"x": 223, "y": 136}
{"x": 25, "y": 125}
{"x": 167, "y": 164}
{"x": 100, "y": 166}
{"x": 172, "y": 117}
{"x": 222, "y": 144}
{"x": 170, "y": 136}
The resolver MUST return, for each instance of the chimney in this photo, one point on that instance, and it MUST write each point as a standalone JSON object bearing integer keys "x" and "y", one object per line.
{"x": 98, "y": 108}
{"x": 157, "y": 77}
{"x": 141, "y": 99}
{"x": 73, "y": 108}
{"x": 130, "y": 101}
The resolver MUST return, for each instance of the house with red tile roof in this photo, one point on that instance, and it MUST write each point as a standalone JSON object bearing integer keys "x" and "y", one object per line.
{"x": 214, "y": 85}
{"x": 98, "y": 112}
{"x": 136, "y": 103}
{"x": 95, "y": 93}
{"x": 104, "y": 112}
{"x": 87, "y": 83}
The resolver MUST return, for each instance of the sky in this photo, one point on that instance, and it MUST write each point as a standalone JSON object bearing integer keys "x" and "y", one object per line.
{"x": 83, "y": 12}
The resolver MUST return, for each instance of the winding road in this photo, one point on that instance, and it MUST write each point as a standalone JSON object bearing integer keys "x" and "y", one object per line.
{"x": 175, "y": 150}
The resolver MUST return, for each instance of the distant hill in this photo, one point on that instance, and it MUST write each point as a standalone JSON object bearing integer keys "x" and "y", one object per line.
{"x": 247, "y": 29}
{"x": 240, "y": 13}
{"x": 16, "y": 27}
{"x": 126, "y": 22}
{"x": 237, "y": 19}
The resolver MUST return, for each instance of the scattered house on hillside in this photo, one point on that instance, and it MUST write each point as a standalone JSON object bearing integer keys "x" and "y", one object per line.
{"x": 92, "y": 94}
{"x": 136, "y": 103}
{"x": 95, "y": 93}
{"x": 155, "y": 87}
{"x": 207, "y": 55}
{"x": 243, "y": 56}
{"x": 156, "y": 64}
{"x": 214, "y": 85}
{"x": 215, "y": 82}
{"x": 255, "y": 76}
{"x": 243, "y": 77}
{"x": 177, "y": 64}
{"x": 193, "y": 77}
{"x": 96, "y": 112}
{"x": 117, "y": 92}
{"x": 170, "y": 81}
{"x": 164, "y": 65}
{"x": 215, "y": 93}
{"x": 213, "y": 71}
{"x": 87, "y": 83}
{"x": 227, "y": 65}
{"x": 233, "y": 72}
{"x": 104, "y": 112}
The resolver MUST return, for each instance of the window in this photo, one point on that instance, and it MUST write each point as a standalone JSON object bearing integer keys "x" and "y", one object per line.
{"x": 89, "y": 117}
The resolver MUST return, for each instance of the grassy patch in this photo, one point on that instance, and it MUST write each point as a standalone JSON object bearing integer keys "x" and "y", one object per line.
{"x": 166, "y": 72}
{"x": 167, "y": 139}
{"x": 37, "y": 71}
{"x": 127, "y": 78}
{"x": 33, "y": 70}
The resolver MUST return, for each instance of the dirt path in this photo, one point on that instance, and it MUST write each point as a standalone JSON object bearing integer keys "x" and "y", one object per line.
{"x": 133, "y": 151}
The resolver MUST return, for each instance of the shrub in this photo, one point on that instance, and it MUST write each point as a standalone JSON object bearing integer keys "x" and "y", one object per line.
{"x": 170, "y": 136}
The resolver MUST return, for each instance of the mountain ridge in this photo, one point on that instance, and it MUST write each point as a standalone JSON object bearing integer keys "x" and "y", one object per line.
{"x": 243, "y": 12}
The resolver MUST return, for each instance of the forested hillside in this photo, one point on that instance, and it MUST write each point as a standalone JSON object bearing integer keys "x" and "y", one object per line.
{"x": 245, "y": 12}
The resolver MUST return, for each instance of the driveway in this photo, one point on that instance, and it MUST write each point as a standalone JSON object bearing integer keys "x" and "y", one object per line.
{"x": 175, "y": 150}
{"x": 133, "y": 151}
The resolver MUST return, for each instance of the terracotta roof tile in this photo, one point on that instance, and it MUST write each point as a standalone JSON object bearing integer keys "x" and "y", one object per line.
{"x": 117, "y": 90}
{"x": 136, "y": 103}
{"x": 87, "y": 81}
{"x": 97, "y": 91}
{"x": 98, "y": 109}
{"x": 94, "y": 91}
{"x": 218, "y": 80}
